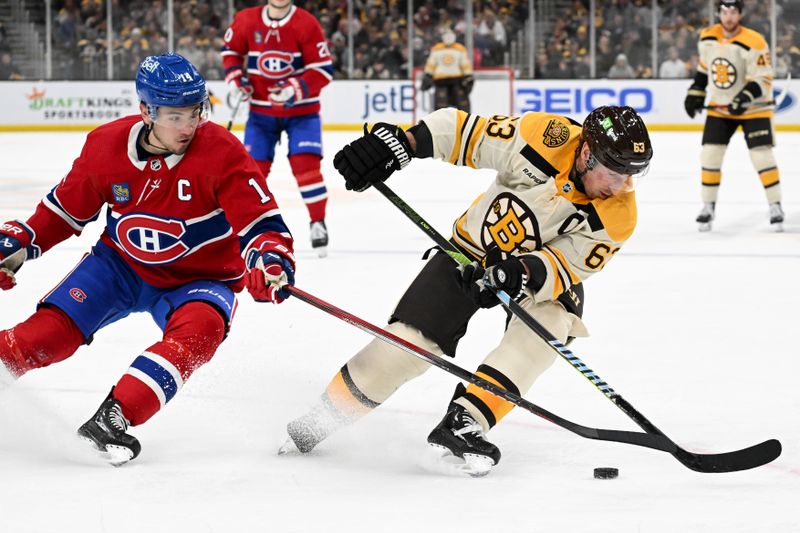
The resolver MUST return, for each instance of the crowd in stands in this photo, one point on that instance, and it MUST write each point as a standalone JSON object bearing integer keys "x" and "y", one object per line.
{"x": 623, "y": 31}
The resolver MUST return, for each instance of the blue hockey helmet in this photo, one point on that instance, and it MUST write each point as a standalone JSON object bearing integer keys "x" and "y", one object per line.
{"x": 169, "y": 80}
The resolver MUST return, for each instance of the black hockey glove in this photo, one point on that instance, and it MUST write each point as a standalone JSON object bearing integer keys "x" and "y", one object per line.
{"x": 427, "y": 83}
{"x": 509, "y": 275}
{"x": 373, "y": 157}
{"x": 740, "y": 102}
{"x": 694, "y": 102}
{"x": 467, "y": 82}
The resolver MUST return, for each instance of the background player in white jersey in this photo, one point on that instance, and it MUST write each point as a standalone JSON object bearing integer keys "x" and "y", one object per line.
{"x": 560, "y": 208}
{"x": 277, "y": 57}
{"x": 735, "y": 71}
{"x": 449, "y": 71}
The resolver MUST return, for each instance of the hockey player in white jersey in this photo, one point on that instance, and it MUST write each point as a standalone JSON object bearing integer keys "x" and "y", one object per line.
{"x": 560, "y": 208}
{"x": 735, "y": 72}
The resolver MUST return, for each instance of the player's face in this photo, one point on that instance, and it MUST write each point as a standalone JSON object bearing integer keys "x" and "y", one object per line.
{"x": 601, "y": 182}
{"x": 174, "y": 127}
{"x": 730, "y": 18}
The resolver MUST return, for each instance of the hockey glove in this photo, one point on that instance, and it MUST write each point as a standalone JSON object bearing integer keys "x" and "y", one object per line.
{"x": 268, "y": 271}
{"x": 240, "y": 90}
{"x": 286, "y": 92}
{"x": 467, "y": 82}
{"x": 427, "y": 82}
{"x": 740, "y": 102}
{"x": 14, "y": 239}
{"x": 373, "y": 157}
{"x": 694, "y": 102}
{"x": 478, "y": 279}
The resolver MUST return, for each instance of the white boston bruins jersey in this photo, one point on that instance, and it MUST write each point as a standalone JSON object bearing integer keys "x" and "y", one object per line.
{"x": 533, "y": 207}
{"x": 448, "y": 61}
{"x": 733, "y": 63}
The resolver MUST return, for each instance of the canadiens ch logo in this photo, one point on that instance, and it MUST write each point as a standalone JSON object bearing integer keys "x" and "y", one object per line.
{"x": 275, "y": 65}
{"x": 151, "y": 240}
{"x": 555, "y": 134}
{"x": 77, "y": 295}
{"x": 510, "y": 225}
{"x": 723, "y": 73}
{"x": 121, "y": 191}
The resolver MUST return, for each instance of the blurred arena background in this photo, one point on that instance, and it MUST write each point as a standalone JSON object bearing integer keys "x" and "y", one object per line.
{"x": 530, "y": 55}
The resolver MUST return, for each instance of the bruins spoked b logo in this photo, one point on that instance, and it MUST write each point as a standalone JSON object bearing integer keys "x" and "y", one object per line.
{"x": 510, "y": 225}
{"x": 723, "y": 73}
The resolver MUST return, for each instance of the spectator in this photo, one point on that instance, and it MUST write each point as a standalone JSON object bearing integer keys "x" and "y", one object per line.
{"x": 673, "y": 66}
{"x": 621, "y": 69}
{"x": 8, "y": 70}
{"x": 491, "y": 38}
{"x": 4, "y": 46}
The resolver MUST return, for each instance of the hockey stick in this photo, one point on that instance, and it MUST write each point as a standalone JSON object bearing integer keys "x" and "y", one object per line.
{"x": 235, "y": 110}
{"x": 646, "y": 440}
{"x": 743, "y": 459}
{"x": 776, "y": 102}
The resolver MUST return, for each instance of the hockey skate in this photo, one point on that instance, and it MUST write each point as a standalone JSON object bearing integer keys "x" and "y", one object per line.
{"x": 776, "y": 216}
{"x": 312, "y": 428}
{"x": 459, "y": 435}
{"x": 706, "y": 216}
{"x": 318, "y": 232}
{"x": 105, "y": 431}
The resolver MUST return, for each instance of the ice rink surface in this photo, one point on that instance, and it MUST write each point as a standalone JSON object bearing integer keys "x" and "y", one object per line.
{"x": 697, "y": 331}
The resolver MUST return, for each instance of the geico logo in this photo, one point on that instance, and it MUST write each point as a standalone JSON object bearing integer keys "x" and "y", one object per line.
{"x": 568, "y": 101}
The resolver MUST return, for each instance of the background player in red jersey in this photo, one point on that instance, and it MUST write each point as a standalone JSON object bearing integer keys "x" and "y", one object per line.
{"x": 190, "y": 221}
{"x": 276, "y": 56}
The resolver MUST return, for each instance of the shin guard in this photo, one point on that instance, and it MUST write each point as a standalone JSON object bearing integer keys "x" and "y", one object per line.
{"x": 47, "y": 337}
{"x": 306, "y": 170}
{"x": 193, "y": 334}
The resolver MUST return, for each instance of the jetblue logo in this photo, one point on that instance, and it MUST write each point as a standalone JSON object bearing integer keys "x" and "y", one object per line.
{"x": 568, "y": 101}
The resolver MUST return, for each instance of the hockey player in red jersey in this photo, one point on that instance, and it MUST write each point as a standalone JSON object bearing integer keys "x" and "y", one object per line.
{"x": 189, "y": 222}
{"x": 276, "y": 57}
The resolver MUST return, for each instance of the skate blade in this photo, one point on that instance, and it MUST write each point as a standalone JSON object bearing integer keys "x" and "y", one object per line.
{"x": 322, "y": 251}
{"x": 777, "y": 227}
{"x": 288, "y": 448}
{"x": 113, "y": 455}
{"x": 442, "y": 461}
{"x": 704, "y": 226}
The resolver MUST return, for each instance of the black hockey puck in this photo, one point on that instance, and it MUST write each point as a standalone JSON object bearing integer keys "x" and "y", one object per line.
{"x": 606, "y": 473}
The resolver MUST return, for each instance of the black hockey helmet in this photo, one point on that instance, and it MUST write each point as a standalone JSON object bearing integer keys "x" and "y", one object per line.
{"x": 738, "y": 4}
{"x": 618, "y": 139}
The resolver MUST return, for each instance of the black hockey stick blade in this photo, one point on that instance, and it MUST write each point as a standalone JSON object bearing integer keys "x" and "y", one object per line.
{"x": 744, "y": 459}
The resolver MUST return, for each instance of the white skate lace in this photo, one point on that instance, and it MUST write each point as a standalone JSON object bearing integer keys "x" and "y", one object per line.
{"x": 472, "y": 426}
{"x": 117, "y": 419}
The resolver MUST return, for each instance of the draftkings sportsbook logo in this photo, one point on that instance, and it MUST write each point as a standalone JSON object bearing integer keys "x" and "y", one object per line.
{"x": 72, "y": 107}
{"x": 510, "y": 225}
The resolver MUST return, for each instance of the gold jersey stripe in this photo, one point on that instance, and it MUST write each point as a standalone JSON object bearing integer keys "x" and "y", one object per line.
{"x": 475, "y": 135}
{"x": 563, "y": 262}
{"x": 558, "y": 285}
{"x": 461, "y": 120}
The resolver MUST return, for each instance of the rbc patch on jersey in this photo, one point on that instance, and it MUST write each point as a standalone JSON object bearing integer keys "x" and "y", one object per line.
{"x": 257, "y": 37}
{"x": 122, "y": 192}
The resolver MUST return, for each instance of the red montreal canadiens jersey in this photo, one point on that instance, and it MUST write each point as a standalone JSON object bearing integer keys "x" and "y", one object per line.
{"x": 268, "y": 51}
{"x": 173, "y": 219}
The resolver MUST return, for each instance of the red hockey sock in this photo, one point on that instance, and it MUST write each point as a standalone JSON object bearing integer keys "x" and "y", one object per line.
{"x": 193, "y": 334}
{"x": 47, "y": 337}
{"x": 306, "y": 170}
{"x": 264, "y": 166}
